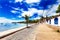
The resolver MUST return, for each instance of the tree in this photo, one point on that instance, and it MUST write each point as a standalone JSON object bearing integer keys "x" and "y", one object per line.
{"x": 27, "y": 20}
{"x": 58, "y": 9}
{"x": 42, "y": 19}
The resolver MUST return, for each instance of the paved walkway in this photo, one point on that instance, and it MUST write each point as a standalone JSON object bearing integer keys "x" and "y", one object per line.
{"x": 46, "y": 33}
{"x": 37, "y": 32}
{"x": 25, "y": 34}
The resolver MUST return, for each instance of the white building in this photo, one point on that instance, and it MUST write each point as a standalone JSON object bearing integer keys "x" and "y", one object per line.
{"x": 54, "y": 21}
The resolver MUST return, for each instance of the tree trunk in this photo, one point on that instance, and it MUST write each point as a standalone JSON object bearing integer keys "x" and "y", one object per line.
{"x": 27, "y": 24}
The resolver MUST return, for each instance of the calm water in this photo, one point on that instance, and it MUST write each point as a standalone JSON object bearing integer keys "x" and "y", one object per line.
{"x": 8, "y": 26}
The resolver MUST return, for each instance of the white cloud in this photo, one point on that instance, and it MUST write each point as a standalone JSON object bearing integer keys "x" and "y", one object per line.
{"x": 36, "y": 18}
{"x": 30, "y": 12}
{"x": 18, "y": 0}
{"x": 19, "y": 16}
{"x": 13, "y": 11}
{"x": 16, "y": 8}
{"x": 51, "y": 14}
{"x": 39, "y": 12}
{"x": 58, "y": 1}
{"x": 5, "y": 20}
{"x": 53, "y": 10}
{"x": 26, "y": 13}
{"x": 32, "y": 1}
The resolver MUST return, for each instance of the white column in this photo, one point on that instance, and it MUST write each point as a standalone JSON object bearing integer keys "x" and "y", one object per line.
{"x": 58, "y": 21}
{"x": 48, "y": 21}
{"x": 52, "y": 21}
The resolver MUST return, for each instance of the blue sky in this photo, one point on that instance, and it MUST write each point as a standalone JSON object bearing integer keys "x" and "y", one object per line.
{"x": 13, "y": 10}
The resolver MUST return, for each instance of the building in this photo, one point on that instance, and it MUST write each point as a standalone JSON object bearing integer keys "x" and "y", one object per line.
{"x": 54, "y": 20}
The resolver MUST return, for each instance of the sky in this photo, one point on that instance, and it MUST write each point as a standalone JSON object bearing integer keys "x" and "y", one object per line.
{"x": 14, "y": 10}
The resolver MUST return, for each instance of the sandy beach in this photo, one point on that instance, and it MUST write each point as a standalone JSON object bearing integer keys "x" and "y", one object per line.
{"x": 36, "y": 32}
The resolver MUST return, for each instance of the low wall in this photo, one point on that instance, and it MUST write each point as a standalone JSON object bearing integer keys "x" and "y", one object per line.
{"x": 12, "y": 31}
{"x": 9, "y": 32}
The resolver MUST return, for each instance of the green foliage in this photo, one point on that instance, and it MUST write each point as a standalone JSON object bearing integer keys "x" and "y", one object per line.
{"x": 58, "y": 9}
{"x": 26, "y": 18}
{"x": 34, "y": 21}
{"x": 30, "y": 21}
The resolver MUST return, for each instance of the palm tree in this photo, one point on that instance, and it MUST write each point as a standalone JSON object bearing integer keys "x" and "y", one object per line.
{"x": 58, "y": 9}
{"x": 27, "y": 20}
{"x": 46, "y": 18}
{"x": 41, "y": 19}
